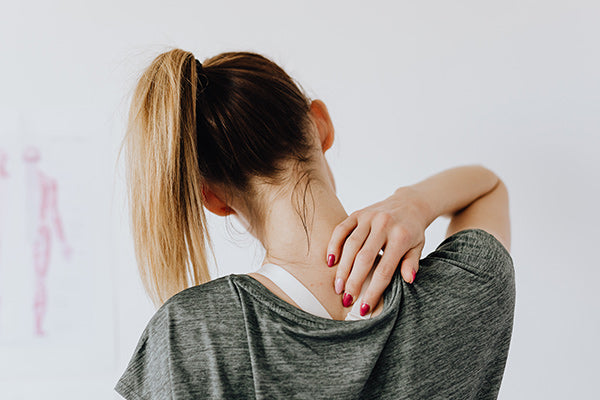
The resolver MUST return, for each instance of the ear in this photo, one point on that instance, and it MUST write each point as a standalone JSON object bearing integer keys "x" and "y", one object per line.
{"x": 320, "y": 115}
{"x": 214, "y": 203}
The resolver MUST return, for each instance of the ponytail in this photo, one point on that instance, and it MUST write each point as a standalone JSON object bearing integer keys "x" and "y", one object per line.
{"x": 165, "y": 184}
{"x": 249, "y": 118}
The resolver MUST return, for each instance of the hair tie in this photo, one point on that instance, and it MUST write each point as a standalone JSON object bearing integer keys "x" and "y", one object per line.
{"x": 202, "y": 78}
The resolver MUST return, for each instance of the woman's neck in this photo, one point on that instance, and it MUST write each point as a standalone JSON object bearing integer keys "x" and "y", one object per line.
{"x": 285, "y": 237}
{"x": 286, "y": 244}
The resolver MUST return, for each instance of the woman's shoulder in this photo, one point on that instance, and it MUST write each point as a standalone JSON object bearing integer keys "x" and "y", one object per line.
{"x": 467, "y": 279}
{"x": 219, "y": 288}
{"x": 476, "y": 251}
{"x": 216, "y": 286}
{"x": 204, "y": 302}
{"x": 187, "y": 330}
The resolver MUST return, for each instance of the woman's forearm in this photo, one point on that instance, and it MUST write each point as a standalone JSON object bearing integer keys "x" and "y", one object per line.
{"x": 449, "y": 191}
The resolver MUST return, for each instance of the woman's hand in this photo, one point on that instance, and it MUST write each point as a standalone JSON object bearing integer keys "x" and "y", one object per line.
{"x": 396, "y": 225}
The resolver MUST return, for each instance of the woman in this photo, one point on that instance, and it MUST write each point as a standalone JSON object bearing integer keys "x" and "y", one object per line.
{"x": 235, "y": 135}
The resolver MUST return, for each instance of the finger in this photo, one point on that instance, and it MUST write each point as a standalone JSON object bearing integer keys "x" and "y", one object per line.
{"x": 410, "y": 264}
{"x": 352, "y": 245}
{"x": 363, "y": 264}
{"x": 382, "y": 276}
{"x": 338, "y": 237}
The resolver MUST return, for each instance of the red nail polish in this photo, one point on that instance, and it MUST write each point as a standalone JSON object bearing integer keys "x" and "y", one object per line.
{"x": 330, "y": 260}
{"x": 414, "y": 274}
{"x": 364, "y": 309}
{"x": 347, "y": 300}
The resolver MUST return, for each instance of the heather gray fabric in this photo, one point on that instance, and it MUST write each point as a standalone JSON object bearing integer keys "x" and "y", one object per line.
{"x": 444, "y": 337}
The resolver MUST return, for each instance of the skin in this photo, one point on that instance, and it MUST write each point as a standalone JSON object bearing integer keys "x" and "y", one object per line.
{"x": 472, "y": 196}
{"x": 285, "y": 239}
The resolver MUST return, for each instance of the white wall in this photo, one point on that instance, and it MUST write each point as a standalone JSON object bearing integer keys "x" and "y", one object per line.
{"x": 412, "y": 87}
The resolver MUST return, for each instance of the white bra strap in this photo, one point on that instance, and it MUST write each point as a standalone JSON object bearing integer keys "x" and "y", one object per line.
{"x": 295, "y": 289}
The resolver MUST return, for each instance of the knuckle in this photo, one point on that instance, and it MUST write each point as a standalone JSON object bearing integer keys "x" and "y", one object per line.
{"x": 365, "y": 256}
{"x": 371, "y": 297}
{"x": 383, "y": 219}
{"x": 400, "y": 234}
{"x": 343, "y": 267}
{"x": 351, "y": 287}
{"x": 384, "y": 273}
{"x": 341, "y": 226}
{"x": 355, "y": 213}
{"x": 366, "y": 216}
{"x": 342, "y": 273}
{"x": 353, "y": 241}
{"x": 337, "y": 231}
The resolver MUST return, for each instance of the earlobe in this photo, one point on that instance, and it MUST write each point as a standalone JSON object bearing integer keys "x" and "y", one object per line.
{"x": 214, "y": 204}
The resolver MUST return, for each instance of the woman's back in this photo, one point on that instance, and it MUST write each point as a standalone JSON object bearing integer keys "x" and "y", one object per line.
{"x": 236, "y": 136}
{"x": 445, "y": 336}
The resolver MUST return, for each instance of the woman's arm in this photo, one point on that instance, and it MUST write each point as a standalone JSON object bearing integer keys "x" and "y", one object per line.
{"x": 473, "y": 196}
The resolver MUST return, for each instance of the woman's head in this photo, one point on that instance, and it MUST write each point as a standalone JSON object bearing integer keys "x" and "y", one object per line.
{"x": 233, "y": 129}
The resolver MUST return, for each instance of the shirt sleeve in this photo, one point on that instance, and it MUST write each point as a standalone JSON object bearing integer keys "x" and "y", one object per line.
{"x": 463, "y": 304}
{"x": 147, "y": 375}
{"x": 478, "y": 252}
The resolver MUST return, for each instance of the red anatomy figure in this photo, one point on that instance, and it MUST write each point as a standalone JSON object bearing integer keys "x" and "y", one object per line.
{"x": 47, "y": 215}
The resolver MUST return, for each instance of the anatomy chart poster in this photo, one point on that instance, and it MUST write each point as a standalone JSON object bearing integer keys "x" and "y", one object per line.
{"x": 55, "y": 286}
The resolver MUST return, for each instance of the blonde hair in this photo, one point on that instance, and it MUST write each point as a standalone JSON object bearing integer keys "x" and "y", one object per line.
{"x": 165, "y": 187}
{"x": 252, "y": 116}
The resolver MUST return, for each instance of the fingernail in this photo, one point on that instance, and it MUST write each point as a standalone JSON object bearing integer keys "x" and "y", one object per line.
{"x": 364, "y": 309}
{"x": 339, "y": 285}
{"x": 330, "y": 260}
{"x": 347, "y": 300}
{"x": 414, "y": 274}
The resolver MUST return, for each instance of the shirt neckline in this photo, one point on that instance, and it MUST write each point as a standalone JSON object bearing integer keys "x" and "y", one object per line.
{"x": 392, "y": 296}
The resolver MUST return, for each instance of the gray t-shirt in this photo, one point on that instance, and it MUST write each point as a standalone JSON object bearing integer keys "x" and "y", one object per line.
{"x": 446, "y": 336}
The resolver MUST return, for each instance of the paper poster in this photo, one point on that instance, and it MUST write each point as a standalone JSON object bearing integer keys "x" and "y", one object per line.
{"x": 56, "y": 291}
